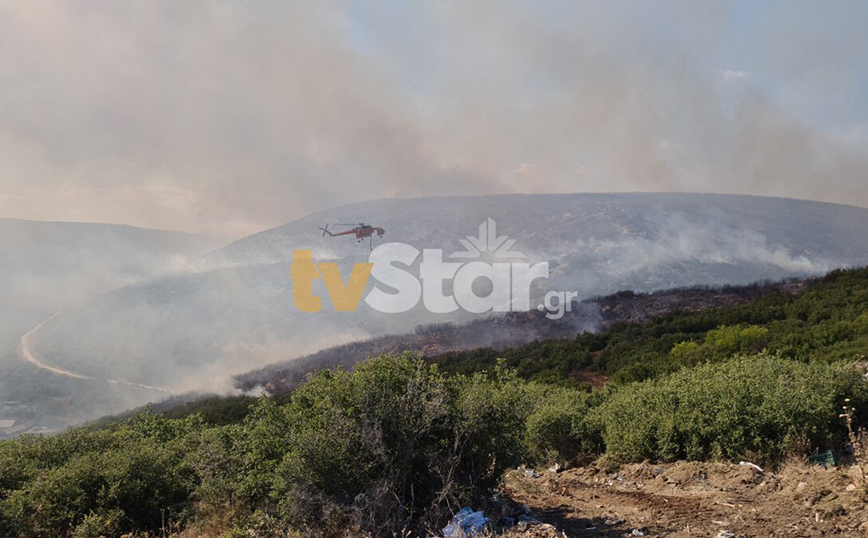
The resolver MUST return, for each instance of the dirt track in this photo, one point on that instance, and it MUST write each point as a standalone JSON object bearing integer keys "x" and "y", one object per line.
{"x": 26, "y": 352}
{"x": 697, "y": 500}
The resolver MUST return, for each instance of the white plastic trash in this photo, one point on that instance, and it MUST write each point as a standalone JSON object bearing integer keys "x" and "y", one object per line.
{"x": 465, "y": 523}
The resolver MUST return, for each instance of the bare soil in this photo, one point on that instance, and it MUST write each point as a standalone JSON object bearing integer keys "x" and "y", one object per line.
{"x": 689, "y": 499}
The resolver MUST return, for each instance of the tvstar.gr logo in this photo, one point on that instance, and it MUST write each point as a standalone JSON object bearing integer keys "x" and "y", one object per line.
{"x": 389, "y": 264}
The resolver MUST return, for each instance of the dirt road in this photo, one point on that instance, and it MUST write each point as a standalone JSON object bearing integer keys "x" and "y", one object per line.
{"x": 697, "y": 500}
{"x": 26, "y": 352}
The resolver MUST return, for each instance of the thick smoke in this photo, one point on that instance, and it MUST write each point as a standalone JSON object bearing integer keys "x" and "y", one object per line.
{"x": 228, "y": 118}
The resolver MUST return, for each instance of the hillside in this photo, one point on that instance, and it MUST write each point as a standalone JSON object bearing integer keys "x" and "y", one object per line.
{"x": 826, "y": 320}
{"x": 637, "y": 337}
{"x": 494, "y": 335}
{"x": 46, "y": 267}
{"x": 91, "y": 258}
{"x": 499, "y": 335}
{"x": 399, "y": 443}
{"x": 658, "y": 228}
{"x": 236, "y": 314}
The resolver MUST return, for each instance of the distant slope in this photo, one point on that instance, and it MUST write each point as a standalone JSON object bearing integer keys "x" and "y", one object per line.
{"x": 823, "y": 320}
{"x": 457, "y": 345}
{"x": 659, "y": 228}
{"x": 90, "y": 257}
{"x": 49, "y": 266}
{"x": 496, "y": 334}
{"x": 193, "y": 330}
{"x": 46, "y": 266}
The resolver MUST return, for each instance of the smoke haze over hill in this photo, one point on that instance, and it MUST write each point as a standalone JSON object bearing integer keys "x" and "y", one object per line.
{"x": 346, "y": 266}
{"x": 263, "y": 121}
{"x": 229, "y": 118}
{"x": 236, "y": 312}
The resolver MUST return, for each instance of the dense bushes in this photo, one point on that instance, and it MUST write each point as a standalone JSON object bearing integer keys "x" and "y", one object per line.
{"x": 396, "y": 444}
{"x": 827, "y": 322}
{"x": 563, "y": 427}
{"x": 394, "y": 441}
{"x": 391, "y": 443}
{"x": 91, "y": 483}
{"x": 760, "y": 407}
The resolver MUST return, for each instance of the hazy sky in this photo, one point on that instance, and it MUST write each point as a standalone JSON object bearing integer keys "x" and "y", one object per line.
{"x": 230, "y": 117}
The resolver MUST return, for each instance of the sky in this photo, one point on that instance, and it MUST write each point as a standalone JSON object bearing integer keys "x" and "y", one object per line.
{"x": 227, "y": 118}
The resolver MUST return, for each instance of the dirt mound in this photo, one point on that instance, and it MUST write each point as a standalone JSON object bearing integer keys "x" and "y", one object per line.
{"x": 691, "y": 499}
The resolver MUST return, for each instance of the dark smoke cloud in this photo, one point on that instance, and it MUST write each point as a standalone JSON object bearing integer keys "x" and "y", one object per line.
{"x": 229, "y": 117}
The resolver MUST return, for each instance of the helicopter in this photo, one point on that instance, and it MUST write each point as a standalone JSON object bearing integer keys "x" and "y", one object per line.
{"x": 361, "y": 231}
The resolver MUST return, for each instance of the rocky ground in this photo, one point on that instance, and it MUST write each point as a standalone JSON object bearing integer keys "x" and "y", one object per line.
{"x": 687, "y": 499}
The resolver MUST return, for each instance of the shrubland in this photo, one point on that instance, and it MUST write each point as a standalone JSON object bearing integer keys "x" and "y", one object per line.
{"x": 392, "y": 444}
{"x": 763, "y": 408}
{"x": 826, "y": 323}
{"x": 399, "y": 445}
{"x": 402, "y": 441}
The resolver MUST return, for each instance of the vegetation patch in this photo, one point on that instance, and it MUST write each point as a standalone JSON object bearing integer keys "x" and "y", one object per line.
{"x": 402, "y": 442}
{"x": 398, "y": 445}
{"x": 826, "y": 323}
{"x": 761, "y": 408}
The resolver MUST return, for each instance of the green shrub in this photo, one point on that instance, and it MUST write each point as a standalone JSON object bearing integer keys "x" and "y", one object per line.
{"x": 685, "y": 349}
{"x": 80, "y": 481}
{"x": 562, "y": 429}
{"x": 728, "y": 340}
{"x": 135, "y": 483}
{"x": 760, "y": 406}
{"x": 394, "y": 442}
{"x": 487, "y": 426}
{"x": 217, "y": 457}
{"x": 97, "y": 525}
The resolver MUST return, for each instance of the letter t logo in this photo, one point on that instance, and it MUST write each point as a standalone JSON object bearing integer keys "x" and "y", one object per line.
{"x": 303, "y": 272}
